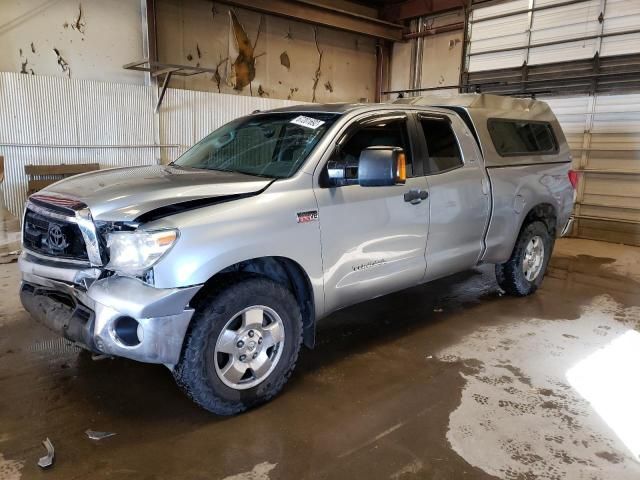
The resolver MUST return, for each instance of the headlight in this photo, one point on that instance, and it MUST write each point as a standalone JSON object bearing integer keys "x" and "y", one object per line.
{"x": 134, "y": 252}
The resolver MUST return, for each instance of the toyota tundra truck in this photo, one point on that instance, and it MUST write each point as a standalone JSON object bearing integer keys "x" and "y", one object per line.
{"x": 220, "y": 264}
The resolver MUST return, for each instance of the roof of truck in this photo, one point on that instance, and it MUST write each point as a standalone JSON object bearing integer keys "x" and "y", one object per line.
{"x": 323, "y": 107}
{"x": 474, "y": 101}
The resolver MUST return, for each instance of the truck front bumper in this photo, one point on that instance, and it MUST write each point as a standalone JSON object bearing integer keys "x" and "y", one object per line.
{"x": 117, "y": 315}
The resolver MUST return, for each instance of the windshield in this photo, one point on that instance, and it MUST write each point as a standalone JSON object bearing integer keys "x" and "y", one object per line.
{"x": 271, "y": 145}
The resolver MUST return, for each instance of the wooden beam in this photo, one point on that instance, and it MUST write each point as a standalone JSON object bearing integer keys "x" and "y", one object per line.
{"x": 310, "y": 12}
{"x": 396, "y": 12}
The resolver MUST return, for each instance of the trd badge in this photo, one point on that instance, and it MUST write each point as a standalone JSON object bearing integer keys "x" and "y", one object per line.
{"x": 308, "y": 216}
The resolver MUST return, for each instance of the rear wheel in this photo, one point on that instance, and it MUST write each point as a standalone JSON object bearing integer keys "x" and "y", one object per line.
{"x": 522, "y": 274}
{"x": 242, "y": 347}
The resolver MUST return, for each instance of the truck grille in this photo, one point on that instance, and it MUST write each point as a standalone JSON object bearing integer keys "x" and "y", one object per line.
{"x": 54, "y": 237}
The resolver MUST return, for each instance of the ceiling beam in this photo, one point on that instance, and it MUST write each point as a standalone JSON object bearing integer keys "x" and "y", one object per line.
{"x": 395, "y": 12}
{"x": 310, "y": 12}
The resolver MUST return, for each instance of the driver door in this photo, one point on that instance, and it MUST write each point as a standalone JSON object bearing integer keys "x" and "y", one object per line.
{"x": 373, "y": 240}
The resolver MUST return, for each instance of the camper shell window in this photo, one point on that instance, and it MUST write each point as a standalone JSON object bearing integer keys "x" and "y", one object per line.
{"x": 522, "y": 137}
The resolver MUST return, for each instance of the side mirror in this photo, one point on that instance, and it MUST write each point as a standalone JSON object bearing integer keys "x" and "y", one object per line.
{"x": 382, "y": 166}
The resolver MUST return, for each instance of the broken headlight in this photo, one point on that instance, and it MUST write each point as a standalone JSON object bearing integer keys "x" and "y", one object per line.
{"x": 132, "y": 253}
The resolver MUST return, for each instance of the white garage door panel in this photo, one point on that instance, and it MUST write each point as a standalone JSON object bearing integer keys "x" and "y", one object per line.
{"x": 552, "y": 25}
{"x": 501, "y": 9}
{"x": 630, "y": 215}
{"x": 501, "y": 33}
{"x": 622, "y": 15}
{"x": 563, "y": 51}
{"x": 604, "y": 135}
{"x": 620, "y": 45}
{"x": 614, "y": 158}
{"x": 566, "y": 23}
{"x": 478, "y": 63}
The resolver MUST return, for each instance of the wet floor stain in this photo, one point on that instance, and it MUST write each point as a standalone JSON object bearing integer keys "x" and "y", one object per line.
{"x": 380, "y": 396}
{"x": 9, "y": 469}
{"x": 259, "y": 472}
{"x": 537, "y": 425}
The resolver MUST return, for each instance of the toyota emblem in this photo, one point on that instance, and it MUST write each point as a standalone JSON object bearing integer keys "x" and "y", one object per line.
{"x": 57, "y": 240}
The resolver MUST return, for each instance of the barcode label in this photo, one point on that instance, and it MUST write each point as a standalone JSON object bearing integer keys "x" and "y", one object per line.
{"x": 308, "y": 122}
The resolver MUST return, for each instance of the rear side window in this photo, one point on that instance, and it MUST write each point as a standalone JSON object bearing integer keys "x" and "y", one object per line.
{"x": 514, "y": 137}
{"x": 444, "y": 152}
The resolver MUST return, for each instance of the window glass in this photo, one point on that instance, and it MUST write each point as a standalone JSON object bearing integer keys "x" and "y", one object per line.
{"x": 512, "y": 137}
{"x": 379, "y": 133}
{"x": 273, "y": 145}
{"x": 444, "y": 153}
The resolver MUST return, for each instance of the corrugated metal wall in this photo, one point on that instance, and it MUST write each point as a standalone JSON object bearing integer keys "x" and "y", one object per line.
{"x": 51, "y": 120}
{"x": 187, "y": 116}
{"x": 603, "y": 130}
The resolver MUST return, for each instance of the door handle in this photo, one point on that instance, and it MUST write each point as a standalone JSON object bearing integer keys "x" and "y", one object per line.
{"x": 415, "y": 196}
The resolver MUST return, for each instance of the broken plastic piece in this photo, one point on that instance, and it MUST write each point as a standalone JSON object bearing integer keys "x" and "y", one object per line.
{"x": 96, "y": 357}
{"x": 93, "y": 435}
{"x": 47, "y": 460}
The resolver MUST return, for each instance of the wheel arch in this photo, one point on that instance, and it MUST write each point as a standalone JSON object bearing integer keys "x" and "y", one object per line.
{"x": 282, "y": 270}
{"x": 545, "y": 213}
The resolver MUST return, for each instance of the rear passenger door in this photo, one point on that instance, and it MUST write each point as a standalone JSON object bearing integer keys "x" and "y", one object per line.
{"x": 458, "y": 193}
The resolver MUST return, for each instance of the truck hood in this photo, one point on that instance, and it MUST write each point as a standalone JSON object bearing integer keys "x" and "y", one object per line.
{"x": 124, "y": 194}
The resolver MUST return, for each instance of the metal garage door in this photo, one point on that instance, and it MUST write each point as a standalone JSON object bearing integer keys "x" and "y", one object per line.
{"x": 583, "y": 56}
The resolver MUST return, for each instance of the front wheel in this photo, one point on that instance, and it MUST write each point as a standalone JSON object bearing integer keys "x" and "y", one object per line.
{"x": 242, "y": 347}
{"x": 522, "y": 274}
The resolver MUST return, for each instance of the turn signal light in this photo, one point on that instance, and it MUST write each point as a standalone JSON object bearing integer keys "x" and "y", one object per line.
{"x": 401, "y": 170}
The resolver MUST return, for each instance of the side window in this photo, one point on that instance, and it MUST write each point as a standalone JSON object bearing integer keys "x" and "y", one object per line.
{"x": 377, "y": 133}
{"x": 514, "y": 137}
{"x": 444, "y": 152}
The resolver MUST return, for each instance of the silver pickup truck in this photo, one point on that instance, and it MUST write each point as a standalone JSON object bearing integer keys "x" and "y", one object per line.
{"x": 220, "y": 264}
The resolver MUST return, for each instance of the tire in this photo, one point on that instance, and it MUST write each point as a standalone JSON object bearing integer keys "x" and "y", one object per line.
{"x": 513, "y": 276}
{"x": 219, "y": 325}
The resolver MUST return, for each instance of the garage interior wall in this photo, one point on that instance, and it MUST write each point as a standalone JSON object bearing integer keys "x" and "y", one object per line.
{"x": 46, "y": 121}
{"x": 582, "y": 58}
{"x": 88, "y": 39}
{"x": 440, "y": 58}
{"x": 65, "y": 97}
{"x": 287, "y": 53}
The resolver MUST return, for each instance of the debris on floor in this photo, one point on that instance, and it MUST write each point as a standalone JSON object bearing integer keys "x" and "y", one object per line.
{"x": 47, "y": 460}
{"x": 93, "y": 435}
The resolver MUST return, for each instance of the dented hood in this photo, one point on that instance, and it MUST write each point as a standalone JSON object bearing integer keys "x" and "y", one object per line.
{"x": 124, "y": 194}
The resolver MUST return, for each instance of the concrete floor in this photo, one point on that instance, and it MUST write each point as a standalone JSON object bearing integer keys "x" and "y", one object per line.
{"x": 446, "y": 381}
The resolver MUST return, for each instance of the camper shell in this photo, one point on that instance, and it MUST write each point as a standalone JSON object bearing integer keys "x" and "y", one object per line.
{"x": 481, "y": 111}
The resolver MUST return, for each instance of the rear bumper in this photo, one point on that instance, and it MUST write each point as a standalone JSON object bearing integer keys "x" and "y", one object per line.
{"x": 567, "y": 227}
{"x": 118, "y": 316}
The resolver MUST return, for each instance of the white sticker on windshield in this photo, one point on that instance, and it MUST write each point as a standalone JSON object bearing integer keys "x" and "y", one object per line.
{"x": 308, "y": 122}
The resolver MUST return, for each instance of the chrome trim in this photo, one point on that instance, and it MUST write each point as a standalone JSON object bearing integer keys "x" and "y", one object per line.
{"x": 83, "y": 219}
{"x": 88, "y": 230}
{"x": 82, "y": 277}
{"x": 70, "y": 261}
{"x": 164, "y": 314}
{"x": 49, "y": 213}
{"x": 568, "y": 226}
{"x": 59, "y": 286}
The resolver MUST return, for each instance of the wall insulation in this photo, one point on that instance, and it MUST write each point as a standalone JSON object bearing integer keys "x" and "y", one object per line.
{"x": 51, "y": 120}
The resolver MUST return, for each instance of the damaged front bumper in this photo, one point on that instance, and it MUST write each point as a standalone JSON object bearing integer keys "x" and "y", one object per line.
{"x": 116, "y": 315}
